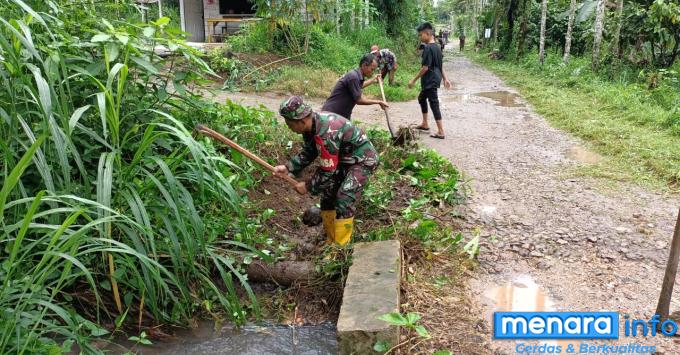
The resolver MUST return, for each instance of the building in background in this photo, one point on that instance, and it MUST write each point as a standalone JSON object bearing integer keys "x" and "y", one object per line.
{"x": 214, "y": 20}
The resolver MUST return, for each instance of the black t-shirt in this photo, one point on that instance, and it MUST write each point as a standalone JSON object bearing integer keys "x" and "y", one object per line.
{"x": 345, "y": 94}
{"x": 432, "y": 58}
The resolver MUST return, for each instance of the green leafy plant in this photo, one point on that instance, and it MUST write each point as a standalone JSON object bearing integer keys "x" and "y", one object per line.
{"x": 408, "y": 321}
{"x": 471, "y": 248}
{"x": 109, "y": 205}
{"x": 141, "y": 339}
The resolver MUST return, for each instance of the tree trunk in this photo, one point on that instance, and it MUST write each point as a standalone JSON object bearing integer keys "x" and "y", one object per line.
{"x": 283, "y": 272}
{"x": 617, "y": 35}
{"x": 353, "y": 17}
{"x": 496, "y": 20}
{"x": 511, "y": 25}
{"x": 570, "y": 28}
{"x": 474, "y": 20}
{"x": 599, "y": 27}
{"x": 522, "y": 30}
{"x": 338, "y": 14}
{"x": 367, "y": 6}
{"x": 541, "y": 43}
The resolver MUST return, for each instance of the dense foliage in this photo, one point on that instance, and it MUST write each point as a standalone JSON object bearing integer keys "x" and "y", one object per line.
{"x": 641, "y": 32}
{"x": 111, "y": 212}
{"x": 329, "y": 38}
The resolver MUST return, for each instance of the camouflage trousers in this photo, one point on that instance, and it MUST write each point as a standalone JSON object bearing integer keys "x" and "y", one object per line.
{"x": 344, "y": 192}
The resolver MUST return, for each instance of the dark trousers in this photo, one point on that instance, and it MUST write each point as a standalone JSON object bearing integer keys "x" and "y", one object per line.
{"x": 431, "y": 96}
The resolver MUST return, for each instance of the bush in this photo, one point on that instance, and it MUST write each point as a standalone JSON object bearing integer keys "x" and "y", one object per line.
{"x": 109, "y": 206}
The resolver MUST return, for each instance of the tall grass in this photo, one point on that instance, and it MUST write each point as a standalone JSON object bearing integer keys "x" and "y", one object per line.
{"x": 105, "y": 193}
{"x": 329, "y": 52}
{"x": 628, "y": 114}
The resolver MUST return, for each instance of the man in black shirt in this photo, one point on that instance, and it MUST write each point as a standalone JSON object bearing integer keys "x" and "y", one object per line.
{"x": 348, "y": 91}
{"x": 431, "y": 74}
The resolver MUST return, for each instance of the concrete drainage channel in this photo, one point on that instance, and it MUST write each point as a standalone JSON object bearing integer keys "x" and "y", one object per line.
{"x": 371, "y": 290}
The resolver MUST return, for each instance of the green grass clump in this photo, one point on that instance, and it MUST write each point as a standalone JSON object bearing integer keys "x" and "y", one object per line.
{"x": 303, "y": 80}
{"x": 428, "y": 179}
{"x": 113, "y": 214}
{"x": 329, "y": 56}
{"x": 615, "y": 111}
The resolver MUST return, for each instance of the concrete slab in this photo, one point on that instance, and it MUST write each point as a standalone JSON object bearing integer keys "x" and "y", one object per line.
{"x": 371, "y": 290}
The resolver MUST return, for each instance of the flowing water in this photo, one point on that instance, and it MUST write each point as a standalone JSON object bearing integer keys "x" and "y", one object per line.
{"x": 247, "y": 340}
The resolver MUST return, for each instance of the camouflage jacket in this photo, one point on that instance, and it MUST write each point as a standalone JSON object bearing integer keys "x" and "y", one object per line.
{"x": 337, "y": 142}
{"x": 386, "y": 59}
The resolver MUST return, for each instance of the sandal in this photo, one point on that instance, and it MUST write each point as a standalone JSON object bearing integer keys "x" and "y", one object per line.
{"x": 437, "y": 135}
{"x": 421, "y": 128}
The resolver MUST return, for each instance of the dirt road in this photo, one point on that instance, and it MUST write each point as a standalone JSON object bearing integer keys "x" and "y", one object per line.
{"x": 550, "y": 238}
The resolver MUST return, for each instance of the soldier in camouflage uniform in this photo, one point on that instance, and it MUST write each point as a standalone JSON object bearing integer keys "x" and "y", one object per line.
{"x": 387, "y": 62}
{"x": 347, "y": 159}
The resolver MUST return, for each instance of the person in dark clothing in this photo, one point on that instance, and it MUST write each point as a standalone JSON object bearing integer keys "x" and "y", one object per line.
{"x": 431, "y": 75}
{"x": 348, "y": 91}
{"x": 461, "y": 41}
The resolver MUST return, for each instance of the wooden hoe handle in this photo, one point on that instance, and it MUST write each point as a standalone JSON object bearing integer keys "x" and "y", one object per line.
{"x": 387, "y": 115}
{"x": 209, "y": 132}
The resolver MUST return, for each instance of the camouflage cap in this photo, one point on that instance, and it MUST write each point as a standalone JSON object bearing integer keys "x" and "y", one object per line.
{"x": 293, "y": 108}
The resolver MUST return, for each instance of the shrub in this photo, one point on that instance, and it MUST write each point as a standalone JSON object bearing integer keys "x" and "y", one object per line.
{"x": 109, "y": 207}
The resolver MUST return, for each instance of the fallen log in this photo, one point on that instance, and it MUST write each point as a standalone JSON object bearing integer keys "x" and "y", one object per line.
{"x": 284, "y": 273}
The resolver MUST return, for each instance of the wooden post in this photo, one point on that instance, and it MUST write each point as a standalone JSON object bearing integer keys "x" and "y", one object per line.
{"x": 663, "y": 307}
{"x": 183, "y": 24}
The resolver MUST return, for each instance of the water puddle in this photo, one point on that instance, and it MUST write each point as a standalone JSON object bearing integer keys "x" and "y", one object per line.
{"x": 583, "y": 155}
{"x": 521, "y": 294}
{"x": 502, "y": 98}
{"x": 458, "y": 98}
{"x": 247, "y": 340}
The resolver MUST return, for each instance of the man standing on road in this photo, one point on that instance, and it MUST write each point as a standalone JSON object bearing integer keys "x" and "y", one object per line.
{"x": 387, "y": 62}
{"x": 431, "y": 74}
{"x": 348, "y": 91}
{"x": 347, "y": 159}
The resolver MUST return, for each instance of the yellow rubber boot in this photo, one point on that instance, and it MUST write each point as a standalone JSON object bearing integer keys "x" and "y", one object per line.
{"x": 328, "y": 219}
{"x": 343, "y": 230}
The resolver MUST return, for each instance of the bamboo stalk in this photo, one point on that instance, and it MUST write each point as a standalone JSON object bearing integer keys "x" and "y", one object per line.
{"x": 114, "y": 284}
{"x": 141, "y": 313}
{"x": 213, "y": 134}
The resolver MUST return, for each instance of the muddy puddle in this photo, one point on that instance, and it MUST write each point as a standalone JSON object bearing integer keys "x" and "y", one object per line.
{"x": 583, "y": 155}
{"x": 502, "y": 98}
{"x": 522, "y": 294}
{"x": 248, "y": 340}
